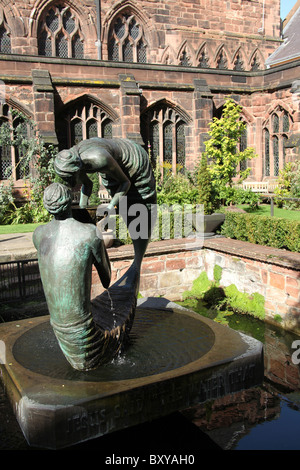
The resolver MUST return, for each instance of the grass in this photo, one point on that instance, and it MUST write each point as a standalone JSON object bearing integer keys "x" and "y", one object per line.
{"x": 18, "y": 228}
{"x": 265, "y": 209}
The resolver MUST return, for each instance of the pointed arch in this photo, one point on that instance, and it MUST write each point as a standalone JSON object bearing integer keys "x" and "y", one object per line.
{"x": 204, "y": 56}
{"x": 126, "y": 33}
{"x": 39, "y": 11}
{"x": 15, "y": 104}
{"x": 185, "y": 55}
{"x": 57, "y": 25}
{"x": 277, "y": 127}
{"x": 170, "y": 104}
{"x": 94, "y": 100}
{"x": 221, "y": 60}
{"x": 238, "y": 60}
{"x": 164, "y": 126}
{"x": 278, "y": 105}
{"x": 256, "y": 60}
{"x": 82, "y": 118}
{"x": 168, "y": 56}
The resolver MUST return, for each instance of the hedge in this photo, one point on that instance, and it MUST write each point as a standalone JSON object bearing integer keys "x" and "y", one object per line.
{"x": 263, "y": 230}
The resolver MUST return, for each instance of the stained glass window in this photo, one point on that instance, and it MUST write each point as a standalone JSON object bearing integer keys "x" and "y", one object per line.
{"x": 243, "y": 146}
{"x": 275, "y": 123}
{"x": 11, "y": 162}
{"x": 286, "y": 122}
{"x": 59, "y": 34}
{"x": 5, "y": 45}
{"x": 168, "y": 143}
{"x": 267, "y": 152}
{"x": 126, "y": 40}
{"x": 5, "y": 159}
{"x": 278, "y": 125}
{"x": 83, "y": 120}
{"x": 165, "y": 130}
{"x": 276, "y": 155}
{"x": 76, "y": 132}
{"x": 154, "y": 142}
{"x": 180, "y": 147}
{"x": 91, "y": 129}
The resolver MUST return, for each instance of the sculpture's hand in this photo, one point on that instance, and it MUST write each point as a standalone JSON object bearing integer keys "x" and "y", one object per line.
{"x": 104, "y": 210}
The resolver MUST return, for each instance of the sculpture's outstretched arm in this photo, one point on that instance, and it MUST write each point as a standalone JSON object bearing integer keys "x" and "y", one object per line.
{"x": 86, "y": 189}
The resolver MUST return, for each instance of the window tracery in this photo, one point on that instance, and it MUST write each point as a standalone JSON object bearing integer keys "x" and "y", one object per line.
{"x": 60, "y": 34}
{"x": 276, "y": 133}
{"x": 126, "y": 41}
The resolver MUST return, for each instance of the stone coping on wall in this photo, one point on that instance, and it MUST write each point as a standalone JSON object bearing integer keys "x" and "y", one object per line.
{"x": 232, "y": 247}
{"x": 16, "y": 247}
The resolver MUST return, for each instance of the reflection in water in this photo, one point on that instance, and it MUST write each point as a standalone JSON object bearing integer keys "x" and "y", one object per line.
{"x": 265, "y": 417}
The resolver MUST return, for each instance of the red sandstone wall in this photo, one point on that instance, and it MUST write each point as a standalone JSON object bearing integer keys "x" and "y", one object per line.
{"x": 248, "y": 24}
{"x": 170, "y": 268}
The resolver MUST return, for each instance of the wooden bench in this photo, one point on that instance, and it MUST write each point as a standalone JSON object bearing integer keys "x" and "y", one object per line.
{"x": 257, "y": 186}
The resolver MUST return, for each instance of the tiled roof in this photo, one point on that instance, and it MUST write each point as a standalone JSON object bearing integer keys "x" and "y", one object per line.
{"x": 290, "y": 48}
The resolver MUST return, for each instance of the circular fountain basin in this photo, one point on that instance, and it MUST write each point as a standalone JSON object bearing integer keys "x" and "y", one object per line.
{"x": 160, "y": 341}
{"x": 175, "y": 359}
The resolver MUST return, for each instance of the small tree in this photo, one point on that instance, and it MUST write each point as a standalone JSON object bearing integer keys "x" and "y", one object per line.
{"x": 222, "y": 147}
{"x": 206, "y": 191}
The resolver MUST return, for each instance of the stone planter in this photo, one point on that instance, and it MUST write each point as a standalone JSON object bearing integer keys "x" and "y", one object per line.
{"x": 108, "y": 238}
{"x": 208, "y": 224}
{"x": 211, "y": 223}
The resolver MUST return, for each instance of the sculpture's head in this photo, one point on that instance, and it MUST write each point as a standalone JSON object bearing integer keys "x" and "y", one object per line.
{"x": 67, "y": 165}
{"x": 57, "y": 199}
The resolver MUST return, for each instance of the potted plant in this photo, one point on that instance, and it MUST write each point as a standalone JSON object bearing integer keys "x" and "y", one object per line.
{"x": 207, "y": 196}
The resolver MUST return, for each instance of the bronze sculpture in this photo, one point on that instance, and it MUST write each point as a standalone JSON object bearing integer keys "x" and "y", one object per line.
{"x": 125, "y": 170}
{"x": 92, "y": 331}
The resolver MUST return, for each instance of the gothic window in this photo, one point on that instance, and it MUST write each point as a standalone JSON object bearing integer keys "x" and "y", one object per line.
{"x": 60, "y": 34}
{"x": 276, "y": 134}
{"x": 267, "y": 153}
{"x": 11, "y": 162}
{"x": 5, "y": 43}
{"x": 83, "y": 120}
{"x": 164, "y": 131}
{"x": 126, "y": 41}
{"x": 242, "y": 146}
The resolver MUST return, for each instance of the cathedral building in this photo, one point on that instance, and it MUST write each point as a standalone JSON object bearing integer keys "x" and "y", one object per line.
{"x": 155, "y": 71}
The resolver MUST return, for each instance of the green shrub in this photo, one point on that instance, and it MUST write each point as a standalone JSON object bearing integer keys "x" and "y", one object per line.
{"x": 263, "y": 230}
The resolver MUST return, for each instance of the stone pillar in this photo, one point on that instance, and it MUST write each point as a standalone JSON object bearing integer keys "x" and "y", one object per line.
{"x": 203, "y": 114}
{"x": 43, "y": 93}
{"x": 130, "y": 108}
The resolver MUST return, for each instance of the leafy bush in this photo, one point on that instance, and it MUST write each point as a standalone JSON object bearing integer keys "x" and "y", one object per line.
{"x": 175, "y": 189}
{"x": 263, "y": 230}
{"x": 229, "y": 195}
{"x": 289, "y": 185}
{"x": 35, "y": 152}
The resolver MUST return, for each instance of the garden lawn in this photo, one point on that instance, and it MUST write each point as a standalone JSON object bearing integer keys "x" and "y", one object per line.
{"x": 265, "y": 209}
{"x": 18, "y": 228}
